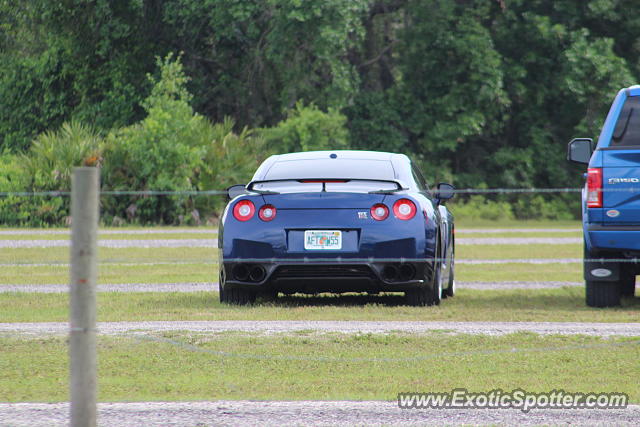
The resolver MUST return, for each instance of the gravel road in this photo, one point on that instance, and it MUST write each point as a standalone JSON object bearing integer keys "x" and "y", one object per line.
{"x": 316, "y": 413}
{"x": 113, "y": 243}
{"x": 458, "y": 261}
{"x": 211, "y": 286}
{"x": 212, "y": 243}
{"x": 67, "y": 232}
{"x": 354, "y": 326}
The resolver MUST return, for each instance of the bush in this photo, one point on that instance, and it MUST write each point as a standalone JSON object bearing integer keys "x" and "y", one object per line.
{"x": 46, "y": 167}
{"x": 480, "y": 208}
{"x": 307, "y": 129}
{"x": 159, "y": 153}
{"x": 174, "y": 149}
{"x": 53, "y": 155}
{"x": 228, "y": 159}
{"x": 555, "y": 207}
{"x": 520, "y": 206}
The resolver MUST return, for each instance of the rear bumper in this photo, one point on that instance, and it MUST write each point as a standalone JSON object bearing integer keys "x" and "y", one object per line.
{"x": 614, "y": 238}
{"x": 292, "y": 276}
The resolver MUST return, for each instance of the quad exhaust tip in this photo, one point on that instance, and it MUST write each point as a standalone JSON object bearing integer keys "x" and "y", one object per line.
{"x": 257, "y": 274}
{"x": 248, "y": 273}
{"x": 390, "y": 272}
{"x": 401, "y": 273}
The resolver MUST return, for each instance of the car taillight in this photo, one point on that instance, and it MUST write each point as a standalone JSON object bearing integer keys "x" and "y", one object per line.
{"x": 379, "y": 212}
{"x": 404, "y": 209}
{"x": 267, "y": 212}
{"x": 594, "y": 187}
{"x": 244, "y": 210}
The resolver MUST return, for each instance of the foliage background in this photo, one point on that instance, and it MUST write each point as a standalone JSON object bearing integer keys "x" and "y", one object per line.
{"x": 482, "y": 93}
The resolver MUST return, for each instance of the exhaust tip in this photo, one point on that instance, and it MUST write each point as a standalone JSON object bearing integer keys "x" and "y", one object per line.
{"x": 257, "y": 274}
{"x": 389, "y": 272}
{"x": 241, "y": 272}
{"x": 407, "y": 272}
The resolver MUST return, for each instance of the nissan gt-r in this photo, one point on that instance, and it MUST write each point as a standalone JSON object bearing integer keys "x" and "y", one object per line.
{"x": 337, "y": 221}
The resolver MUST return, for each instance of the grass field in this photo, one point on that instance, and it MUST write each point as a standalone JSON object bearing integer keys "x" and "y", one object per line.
{"x": 541, "y": 305}
{"x": 306, "y": 365}
{"x": 327, "y": 366}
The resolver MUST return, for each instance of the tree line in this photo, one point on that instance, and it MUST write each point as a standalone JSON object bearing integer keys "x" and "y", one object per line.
{"x": 483, "y": 93}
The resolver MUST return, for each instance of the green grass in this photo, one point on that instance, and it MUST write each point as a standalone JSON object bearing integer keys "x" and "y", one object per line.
{"x": 518, "y": 251}
{"x": 553, "y": 305}
{"x": 61, "y": 255}
{"x": 483, "y": 223}
{"x": 201, "y": 272}
{"x": 520, "y": 235}
{"x": 327, "y": 367}
{"x": 128, "y": 255}
{"x": 205, "y": 234}
{"x": 162, "y": 273}
{"x": 519, "y": 272}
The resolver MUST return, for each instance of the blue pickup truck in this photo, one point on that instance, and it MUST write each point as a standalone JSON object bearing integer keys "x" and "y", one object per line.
{"x": 611, "y": 202}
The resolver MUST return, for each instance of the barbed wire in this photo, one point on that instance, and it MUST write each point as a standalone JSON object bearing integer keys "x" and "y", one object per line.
{"x": 148, "y": 193}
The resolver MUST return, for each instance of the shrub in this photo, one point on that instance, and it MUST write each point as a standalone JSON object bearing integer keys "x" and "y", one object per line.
{"x": 308, "y": 128}
{"x": 159, "y": 153}
{"x": 229, "y": 159}
{"x": 53, "y": 155}
{"x": 480, "y": 208}
{"x": 46, "y": 167}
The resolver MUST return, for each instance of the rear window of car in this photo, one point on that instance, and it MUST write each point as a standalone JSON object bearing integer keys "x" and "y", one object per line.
{"x": 331, "y": 168}
{"x": 627, "y": 130}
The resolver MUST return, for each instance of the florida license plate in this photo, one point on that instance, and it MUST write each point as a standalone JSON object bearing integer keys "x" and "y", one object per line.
{"x": 322, "y": 240}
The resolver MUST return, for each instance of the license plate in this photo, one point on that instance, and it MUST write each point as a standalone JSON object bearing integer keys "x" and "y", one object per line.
{"x": 322, "y": 240}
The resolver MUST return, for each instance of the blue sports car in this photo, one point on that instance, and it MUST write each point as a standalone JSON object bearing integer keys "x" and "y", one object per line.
{"x": 337, "y": 221}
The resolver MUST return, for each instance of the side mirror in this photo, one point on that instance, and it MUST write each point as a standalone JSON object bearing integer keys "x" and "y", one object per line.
{"x": 580, "y": 150}
{"x": 445, "y": 191}
{"x": 236, "y": 190}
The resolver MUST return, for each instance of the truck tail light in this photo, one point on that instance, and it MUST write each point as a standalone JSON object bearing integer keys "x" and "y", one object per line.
{"x": 244, "y": 210}
{"x": 404, "y": 209}
{"x": 594, "y": 187}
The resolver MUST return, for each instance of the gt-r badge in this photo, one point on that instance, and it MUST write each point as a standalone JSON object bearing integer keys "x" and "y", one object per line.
{"x": 363, "y": 215}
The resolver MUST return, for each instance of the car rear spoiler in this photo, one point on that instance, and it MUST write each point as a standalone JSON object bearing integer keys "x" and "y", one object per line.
{"x": 324, "y": 181}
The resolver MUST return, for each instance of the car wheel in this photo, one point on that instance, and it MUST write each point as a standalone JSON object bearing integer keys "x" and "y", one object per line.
{"x": 221, "y": 285}
{"x": 451, "y": 286}
{"x": 436, "y": 288}
{"x": 598, "y": 293}
{"x": 235, "y": 296}
{"x": 627, "y": 281}
{"x": 427, "y": 295}
{"x": 238, "y": 296}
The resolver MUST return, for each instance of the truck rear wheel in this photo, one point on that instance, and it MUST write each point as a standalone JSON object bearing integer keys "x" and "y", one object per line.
{"x": 627, "y": 281}
{"x": 600, "y": 293}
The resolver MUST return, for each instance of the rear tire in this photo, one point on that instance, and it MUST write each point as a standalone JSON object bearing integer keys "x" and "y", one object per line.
{"x": 427, "y": 295}
{"x": 234, "y": 296}
{"x": 451, "y": 287}
{"x": 237, "y": 296}
{"x": 627, "y": 281}
{"x": 601, "y": 294}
